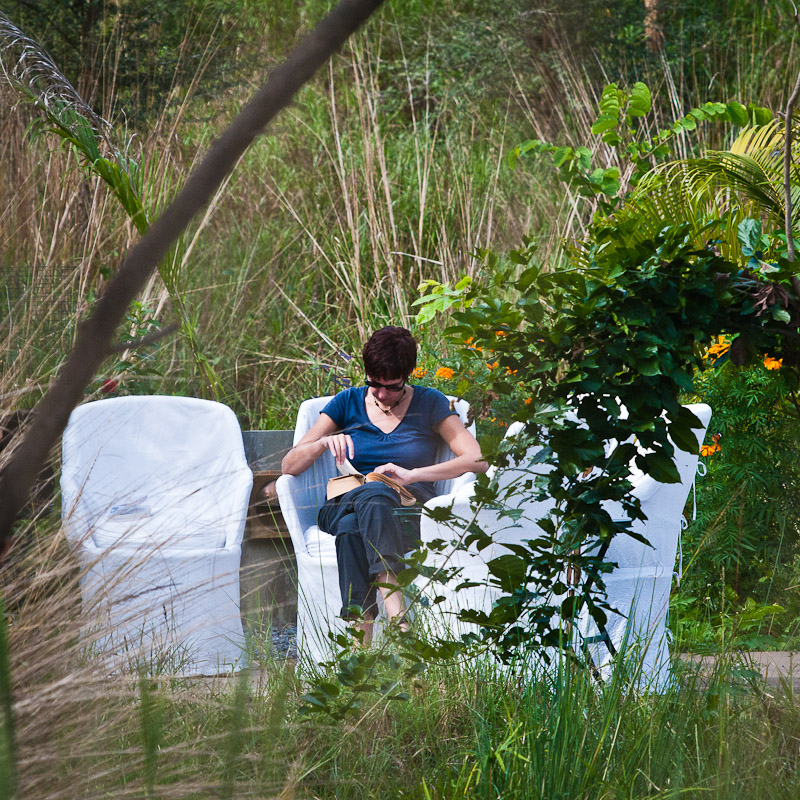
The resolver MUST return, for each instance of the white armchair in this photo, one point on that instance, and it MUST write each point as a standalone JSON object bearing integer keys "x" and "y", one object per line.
{"x": 638, "y": 587}
{"x": 154, "y": 500}
{"x": 301, "y": 497}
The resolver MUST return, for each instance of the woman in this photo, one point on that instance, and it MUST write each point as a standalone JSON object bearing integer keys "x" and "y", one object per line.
{"x": 392, "y": 428}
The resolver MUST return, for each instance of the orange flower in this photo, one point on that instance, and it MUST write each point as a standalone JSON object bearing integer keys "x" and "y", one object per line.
{"x": 471, "y": 346}
{"x": 419, "y": 372}
{"x": 492, "y": 365}
{"x": 715, "y": 447}
{"x": 510, "y": 371}
{"x": 501, "y": 333}
{"x": 444, "y": 373}
{"x": 719, "y": 348}
{"x": 773, "y": 363}
{"x": 528, "y": 401}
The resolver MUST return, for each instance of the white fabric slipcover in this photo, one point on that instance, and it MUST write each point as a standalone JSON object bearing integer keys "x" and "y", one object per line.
{"x": 301, "y": 496}
{"x": 155, "y": 493}
{"x": 638, "y": 587}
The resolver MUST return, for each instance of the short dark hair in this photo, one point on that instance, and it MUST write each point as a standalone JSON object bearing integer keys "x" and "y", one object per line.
{"x": 390, "y": 353}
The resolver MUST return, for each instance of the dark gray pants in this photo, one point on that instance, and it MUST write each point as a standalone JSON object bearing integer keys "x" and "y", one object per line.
{"x": 373, "y": 532}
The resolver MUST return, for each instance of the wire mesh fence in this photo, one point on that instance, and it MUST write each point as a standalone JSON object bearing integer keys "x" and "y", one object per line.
{"x": 40, "y": 305}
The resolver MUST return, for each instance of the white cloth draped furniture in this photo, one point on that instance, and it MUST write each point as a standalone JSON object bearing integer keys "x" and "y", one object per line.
{"x": 301, "y": 496}
{"x": 155, "y": 494}
{"x": 638, "y": 587}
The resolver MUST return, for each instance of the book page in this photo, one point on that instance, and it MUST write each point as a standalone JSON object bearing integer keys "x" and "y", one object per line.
{"x": 347, "y": 468}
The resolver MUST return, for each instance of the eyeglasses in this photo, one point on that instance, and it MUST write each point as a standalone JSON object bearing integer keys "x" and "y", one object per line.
{"x": 390, "y": 387}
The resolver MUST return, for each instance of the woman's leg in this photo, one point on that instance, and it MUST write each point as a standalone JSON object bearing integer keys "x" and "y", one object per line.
{"x": 392, "y": 598}
{"x": 371, "y": 541}
{"x": 385, "y": 542}
{"x": 354, "y": 582}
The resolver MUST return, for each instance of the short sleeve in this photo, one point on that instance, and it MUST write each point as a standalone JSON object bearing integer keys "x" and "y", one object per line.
{"x": 439, "y": 407}
{"x": 337, "y": 408}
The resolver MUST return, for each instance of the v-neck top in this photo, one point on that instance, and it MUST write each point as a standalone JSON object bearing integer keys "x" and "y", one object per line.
{"x": 411, "y": 444}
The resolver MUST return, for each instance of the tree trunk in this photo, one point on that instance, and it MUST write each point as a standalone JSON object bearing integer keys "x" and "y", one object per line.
{"x": 653, "y": 33}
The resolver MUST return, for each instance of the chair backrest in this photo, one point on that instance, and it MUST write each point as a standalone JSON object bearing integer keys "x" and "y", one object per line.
{"x": 662, "y": 503}
{"x": 315, "y": 479}
{"x": 140, "y": 457}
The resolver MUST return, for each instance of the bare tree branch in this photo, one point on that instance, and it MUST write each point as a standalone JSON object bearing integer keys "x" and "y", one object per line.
{"x": 787, "y": 164}
{"x": 96, "y": 333}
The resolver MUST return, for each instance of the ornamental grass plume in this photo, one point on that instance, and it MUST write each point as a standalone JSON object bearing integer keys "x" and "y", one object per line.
{"x": 28, "y": 68}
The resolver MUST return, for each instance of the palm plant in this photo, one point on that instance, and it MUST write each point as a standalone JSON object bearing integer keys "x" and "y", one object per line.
{"x": 744, "y": 181}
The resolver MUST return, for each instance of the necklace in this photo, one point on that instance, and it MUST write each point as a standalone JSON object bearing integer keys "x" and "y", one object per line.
{"x": 392, "y": 407}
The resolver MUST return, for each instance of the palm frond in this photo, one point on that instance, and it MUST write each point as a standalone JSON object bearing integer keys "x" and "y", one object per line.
{"x": 752, "y": 170}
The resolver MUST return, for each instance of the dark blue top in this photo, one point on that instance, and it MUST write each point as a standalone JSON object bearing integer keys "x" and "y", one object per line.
{"x": 411, "y": 444}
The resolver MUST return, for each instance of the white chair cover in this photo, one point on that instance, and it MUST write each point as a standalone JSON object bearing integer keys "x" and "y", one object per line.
{"x": 301, "y": 496}
{"x": 638, "y": 587}
{"x": 155, "y": 493}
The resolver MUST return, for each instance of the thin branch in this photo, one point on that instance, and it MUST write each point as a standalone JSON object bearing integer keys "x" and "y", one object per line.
{"x": 787, "y": 164}
{"x": 135, "y": 344}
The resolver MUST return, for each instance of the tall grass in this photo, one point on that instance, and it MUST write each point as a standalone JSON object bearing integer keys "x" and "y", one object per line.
{"x": 468, "y": 730}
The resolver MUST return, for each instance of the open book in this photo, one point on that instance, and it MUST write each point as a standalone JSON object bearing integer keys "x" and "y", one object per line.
{"x": 350, "y": 478}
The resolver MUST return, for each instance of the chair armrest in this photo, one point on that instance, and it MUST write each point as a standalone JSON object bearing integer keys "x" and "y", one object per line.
{"x": 459, "y": 483}
{"x": 460, "y": 501}
{"x": 289, "y": 487}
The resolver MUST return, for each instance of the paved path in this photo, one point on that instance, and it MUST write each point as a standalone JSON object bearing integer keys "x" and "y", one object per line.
{"x": 775, "y": 666}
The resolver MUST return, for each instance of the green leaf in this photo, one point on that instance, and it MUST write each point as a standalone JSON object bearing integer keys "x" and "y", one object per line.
{"x": 509, "y": 570}
{"x": 659, "y": 466}
{"x": 781, "y": 315}
{"x": 641, "y": 100}
{"x": 749, "y": 234}
{"x": 737, "y": 113}
{"x": 684, "y": 437}
{"x": 561, "y": 155}
{"x": 605, "y": 122}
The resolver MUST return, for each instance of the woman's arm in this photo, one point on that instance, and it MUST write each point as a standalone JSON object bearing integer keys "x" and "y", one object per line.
{"x": 460, "y": 441}
{"x": 321, "y": 437}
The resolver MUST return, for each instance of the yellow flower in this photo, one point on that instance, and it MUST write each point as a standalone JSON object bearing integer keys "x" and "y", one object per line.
{"x": 719, "y": 348}
{"x": 419, "y": 372}
{"x": 444, "y": 373}
{"x": 773, "y": 363}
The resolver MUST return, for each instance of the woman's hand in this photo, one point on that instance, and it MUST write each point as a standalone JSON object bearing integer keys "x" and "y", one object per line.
{"x": 340, "y": 446}
{"x": 400, "y": 474}
{"x": 322, "y": 436}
